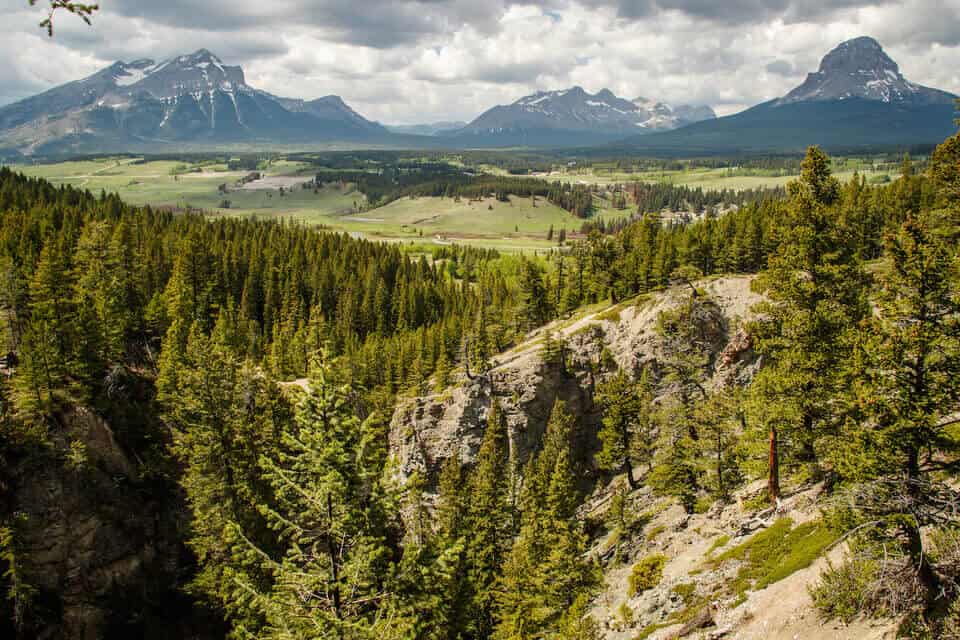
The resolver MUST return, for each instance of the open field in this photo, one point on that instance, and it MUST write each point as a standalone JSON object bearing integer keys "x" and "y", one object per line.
{"x": 516, "y": 225}
{"x": 509, "y": 226}
{"x": 707, "y": 179}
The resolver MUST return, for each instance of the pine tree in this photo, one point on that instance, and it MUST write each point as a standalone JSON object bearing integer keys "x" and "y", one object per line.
{"x": 627, "y": 434}
{"x": 545, "y": 572}
{"x": 906, "y": 362}
{"x": 904, "y": 398}
{"x": 47, "y": 340}
{"x": 222, "y": 413}
{"x": 327, "y": 511}
{"x": 489, "y": 521}
{"x": 534, "y": 306}
{"x": 720, "y": 422}
{"x": 815, "y": 286}
{"x": 102, "y": 291}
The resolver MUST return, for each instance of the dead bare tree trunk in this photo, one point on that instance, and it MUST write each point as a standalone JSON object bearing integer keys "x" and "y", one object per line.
{"x": 773, "y": 467}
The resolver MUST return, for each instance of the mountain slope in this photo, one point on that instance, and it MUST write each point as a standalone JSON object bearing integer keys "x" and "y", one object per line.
{"x": 857, "y": 99}
{"x": 191, "y": 98}
{"x": 574, "y": 116}
{"x": 860, "y": 68}
{"x": 428, "y": 129}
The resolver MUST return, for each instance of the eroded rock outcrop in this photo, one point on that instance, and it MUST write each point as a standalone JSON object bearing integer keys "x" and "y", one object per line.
{"x": 427, "y": 430}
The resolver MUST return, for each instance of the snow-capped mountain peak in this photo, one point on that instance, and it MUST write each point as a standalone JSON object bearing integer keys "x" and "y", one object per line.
{"x": 575, "y": 109}
{"x": 860, "y": 68}
{"x": 186, "y": 97}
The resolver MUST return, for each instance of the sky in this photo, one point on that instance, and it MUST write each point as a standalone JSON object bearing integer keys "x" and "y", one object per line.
{"x": 417, "y": 61}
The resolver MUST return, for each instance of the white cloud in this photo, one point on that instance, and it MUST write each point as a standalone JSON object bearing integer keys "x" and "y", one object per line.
{"x": 424, "y": 60}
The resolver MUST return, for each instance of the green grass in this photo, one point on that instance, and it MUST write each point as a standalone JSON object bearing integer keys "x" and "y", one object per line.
{"x": 514, "y": 226}
{"x": 654, "y": 533}
{"x": 650, "y": 629}
{"x": 685, "y": 591}
{"x": 775, "y": 553}
{"x": 647, "y": 573}
{"x": 718, "y": 543}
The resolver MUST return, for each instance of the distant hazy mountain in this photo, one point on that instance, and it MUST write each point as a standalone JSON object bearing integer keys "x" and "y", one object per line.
{"x": 573, "y": 116}
{"x": 192, "y": 98}
{"x": 429, "y": 129}
{"x": 856, "y": 99}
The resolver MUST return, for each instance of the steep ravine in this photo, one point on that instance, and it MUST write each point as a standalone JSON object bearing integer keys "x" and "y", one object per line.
{"x": 99, "y": 535}
{"x": 427, "y": 430}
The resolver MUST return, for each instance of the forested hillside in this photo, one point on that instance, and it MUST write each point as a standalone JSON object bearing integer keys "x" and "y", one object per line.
{"x": 180, "y": 335}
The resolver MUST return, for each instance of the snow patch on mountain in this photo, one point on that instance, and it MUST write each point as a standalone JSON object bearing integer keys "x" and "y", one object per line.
{"x": 575, "y": 109}
{"x": 860, "y": 68}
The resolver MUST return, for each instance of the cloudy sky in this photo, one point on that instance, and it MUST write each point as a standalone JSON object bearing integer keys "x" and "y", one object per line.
{"x": 405, "y": 61}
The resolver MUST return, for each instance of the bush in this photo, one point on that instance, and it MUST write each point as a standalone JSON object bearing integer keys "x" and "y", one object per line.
{"x": 718, "y": 543}
{"x": 685, "y": 591}
{"x": 654, "y": 533}
{"x": 841, "y": 593}
{"x": 878, "y": 580}
{"x": 647, "y": 573}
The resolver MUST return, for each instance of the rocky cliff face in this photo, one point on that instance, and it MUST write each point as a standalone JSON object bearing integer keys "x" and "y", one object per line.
{"x": 427, "y": 430}
{"x": 98, "y": 542}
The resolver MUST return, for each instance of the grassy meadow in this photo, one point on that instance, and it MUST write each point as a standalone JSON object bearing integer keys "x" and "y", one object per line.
{"x": 516, "y": 225}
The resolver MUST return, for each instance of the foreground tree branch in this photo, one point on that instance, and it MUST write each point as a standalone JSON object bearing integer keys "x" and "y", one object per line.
{"x": 84, "y": 11}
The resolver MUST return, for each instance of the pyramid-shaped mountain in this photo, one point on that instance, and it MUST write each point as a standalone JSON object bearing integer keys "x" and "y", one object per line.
{"x": 857, "y": 99}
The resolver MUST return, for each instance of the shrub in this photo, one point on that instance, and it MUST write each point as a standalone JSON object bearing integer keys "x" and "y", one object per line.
{"x": 685, "y": 591}
{"x": 654, "y": 533}
{"x": 842, "y": 592}
{"x": 647, "y": 573}
{"x": 718, "y": 543}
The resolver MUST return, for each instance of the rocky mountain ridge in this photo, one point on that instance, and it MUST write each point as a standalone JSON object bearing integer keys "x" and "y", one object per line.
{"x": 860, "y": 68}
{"x": 576, "y": 110}
{"x": 188, "y": 98}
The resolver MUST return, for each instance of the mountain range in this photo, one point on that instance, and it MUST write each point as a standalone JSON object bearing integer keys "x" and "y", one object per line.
{"x": 857, "y": 98}
{"x": 428, "y": 129}
{"x": 557, "y": 117}
{"x": 191, "y": 98}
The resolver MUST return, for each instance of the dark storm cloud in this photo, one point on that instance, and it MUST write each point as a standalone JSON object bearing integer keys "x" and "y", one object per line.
{"x": 735, "y": 11}
{"x": 781, "y": 68}
{"x": 373, "y": 23}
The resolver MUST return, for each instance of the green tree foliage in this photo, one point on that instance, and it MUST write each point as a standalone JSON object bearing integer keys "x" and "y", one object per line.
{"x": 489, "y": 523}
{"x": 534, "y": 302}
{"x": 327, "y": 508}
{"x": 302, "y": 525}
{"x": 945, "y": 169}
{"x": 628, "y": 430}
{"x": 906, "y": 361}
{"x": 225, "y": 415}
{"x": 544, "y": 575}
{"x": 815, "y": 286}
